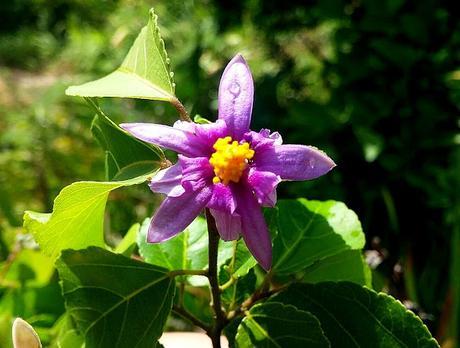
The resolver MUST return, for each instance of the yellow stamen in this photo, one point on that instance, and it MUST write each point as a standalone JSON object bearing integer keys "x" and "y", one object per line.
{"x": 229, "y": 160}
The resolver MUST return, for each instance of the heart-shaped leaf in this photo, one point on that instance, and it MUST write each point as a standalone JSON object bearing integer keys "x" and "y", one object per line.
{"x": 126, "y": 157}
{"x": 77, "y": 218}
{"x": 145, "y": 73}
{"x": 278, "y": 326}
{"x": 348, "y": 266}
{"x": 310, "y": 231}
{"x": 354, "y": 316}
{"x": 115, "y": 301}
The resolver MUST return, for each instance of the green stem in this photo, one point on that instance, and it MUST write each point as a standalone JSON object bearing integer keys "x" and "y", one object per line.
{"x": 220, "y": 317}
{"x": 189, "y": 272}
{"x": 228, "y": 284}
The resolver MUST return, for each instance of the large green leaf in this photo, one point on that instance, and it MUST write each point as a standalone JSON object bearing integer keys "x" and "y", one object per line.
{"x": 77, "y": 218}
{"x": 115, "y": 301}
{"x": 277, "y": 325}
{"x": 187, "y": 250}
{"x": 145, "y": 73}
{"x": 348, "y": 265}
{"x": 126, "y": 157}
{"x": 309, "y": 231}
{"x": 354, "y": 316}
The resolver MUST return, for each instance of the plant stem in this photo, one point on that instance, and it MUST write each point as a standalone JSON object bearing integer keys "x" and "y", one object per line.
{"x": 220, "y": 317}
{"x": 190, "y": 317}
{"x": 183, "y": 114}
{"x": 190, "y": 272}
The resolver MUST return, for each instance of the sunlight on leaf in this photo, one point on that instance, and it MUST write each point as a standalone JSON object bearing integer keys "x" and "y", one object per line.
{"x": 77, "y": 218}
{"x": 354, "y": 316}
{"x": 309, "y": 231}
{"x": 145, "y": 73}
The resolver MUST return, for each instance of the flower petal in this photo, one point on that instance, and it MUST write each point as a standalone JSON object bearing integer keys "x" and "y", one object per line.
{"x": 264, "y": 186}
{"x": 171, "y": 138}
{"x": 236, "y": 94}
{"x": 168, "y": 181}
{"x": 176, "y": 213}
{"x": 228, "y": 225}
{"x": 222, "y": 199}
{"x": 196, "y": 172}
{"x": 294, "y": 162}
{"x": 210, "y": 132}
{"x": 263, "y": 139}
{"x": 254, "y": 229}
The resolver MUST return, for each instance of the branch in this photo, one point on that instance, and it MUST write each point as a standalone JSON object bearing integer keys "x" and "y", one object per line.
{"x": 188, "y": 272}
{"x": 190, "y": 317}
{"x": 183, "y": 114}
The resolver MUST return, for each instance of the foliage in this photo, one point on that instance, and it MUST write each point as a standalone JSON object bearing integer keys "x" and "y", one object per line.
{"x": 373, "y": 83}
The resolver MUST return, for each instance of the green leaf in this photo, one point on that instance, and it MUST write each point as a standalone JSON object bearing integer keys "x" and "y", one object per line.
{"x": 238, "y": 271}
{"x": 67, "y": 334}
{"x": 309, "y": 231}
{"x": 277, "y": 325}
{"x": 145, "y": 73}
{"x": 70, "y": 339}
{"x": 354, "y": 316}
{"x": 241, "y": 288}
{"x": 31, "y": 266}
{"x": 348, "y": 265}
{"x": 126, "y": 157}
{"x": 77, "y": 218}
{"x": 187, "y": 250}
{"x": 115, "y": 301}
{"x": 201, "y": 120}
{"x": 128, "y": 243}
{"x": 243, "y": 260}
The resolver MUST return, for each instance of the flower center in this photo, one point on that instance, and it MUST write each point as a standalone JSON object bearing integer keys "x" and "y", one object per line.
{"x": 229, "y": 160}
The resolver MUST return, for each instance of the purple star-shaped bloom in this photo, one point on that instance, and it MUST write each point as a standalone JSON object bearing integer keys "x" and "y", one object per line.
{"x": 226, "y": 167}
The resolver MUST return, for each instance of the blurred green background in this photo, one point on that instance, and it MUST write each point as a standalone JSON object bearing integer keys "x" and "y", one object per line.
{"x": 376, "y": 84}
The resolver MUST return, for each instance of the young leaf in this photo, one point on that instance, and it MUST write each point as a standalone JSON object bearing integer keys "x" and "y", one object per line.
{"x": 309, "y": 231}
{"x": 240, "y": 289}
{"x": 243, "y": 260}
{"x": 187, "y": 250}
{"x": 354, "y": 316}
{"x": 67, "y": 334}
{"x": 348, "y": 266}
{"x": 145, "y": 73}
{"x": 115, "y": 301}
{"x": 77, "y": 218}
{"x": 128, "y": 243}
{"x": 126, "y": 157}
{"x": 277, "y": 325}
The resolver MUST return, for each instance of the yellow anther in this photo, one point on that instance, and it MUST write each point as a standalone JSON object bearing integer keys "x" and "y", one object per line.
{"x": 229, "y": 160}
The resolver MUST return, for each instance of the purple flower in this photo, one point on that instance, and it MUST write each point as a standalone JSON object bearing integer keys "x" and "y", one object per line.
{"x": 226, "y": 167}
